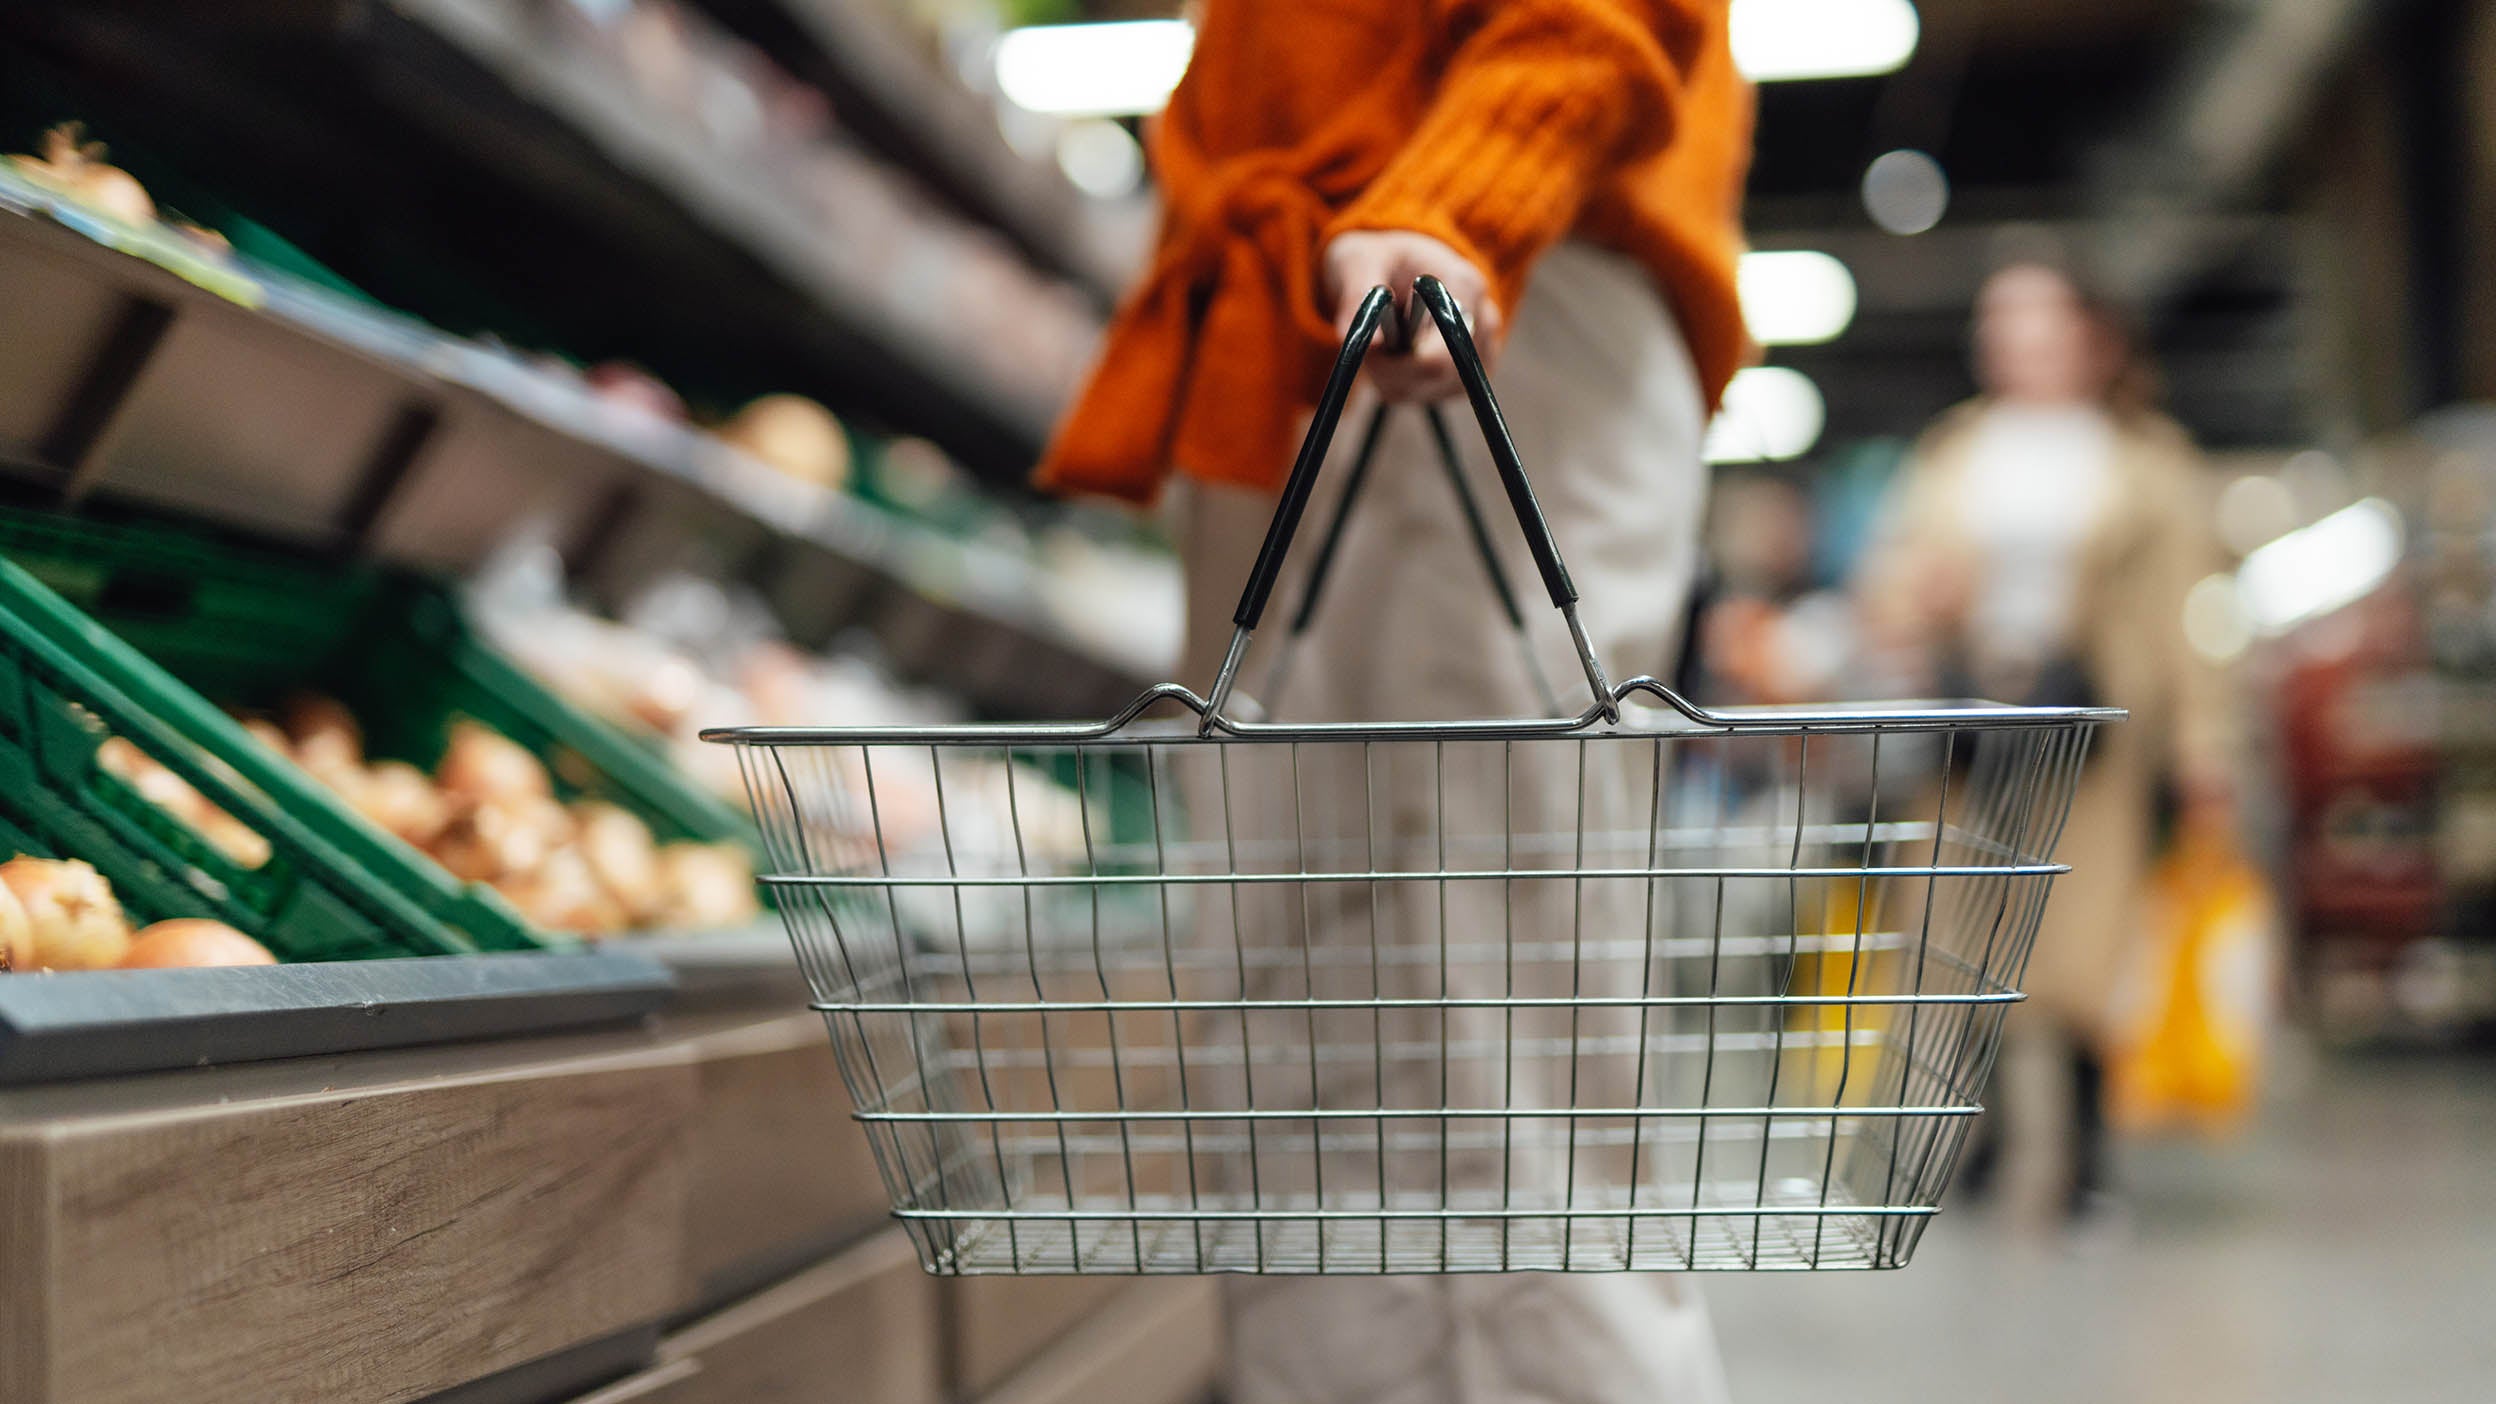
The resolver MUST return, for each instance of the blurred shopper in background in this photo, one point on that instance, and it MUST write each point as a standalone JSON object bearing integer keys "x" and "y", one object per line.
{"x": 2037, "y": 549}
{"x": 1572, "y": 169}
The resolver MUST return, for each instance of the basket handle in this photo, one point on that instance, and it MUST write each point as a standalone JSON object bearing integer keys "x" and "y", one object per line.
{"x": 1432, "y": 296}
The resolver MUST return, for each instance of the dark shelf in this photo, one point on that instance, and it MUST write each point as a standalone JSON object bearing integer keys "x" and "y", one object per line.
{"x": 893, "y": 97}
{"x": 449, "y": 157}
{"x": 251, "y": 346}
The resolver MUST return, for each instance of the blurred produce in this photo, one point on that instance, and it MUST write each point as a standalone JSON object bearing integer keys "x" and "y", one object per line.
{"x": 489, "y": 814}
{"x": 692, "y": 655}
{"x": 61, "y": 915}
{"x": 703, "y": 885}
{"x": 484, "y": 766}
{"x": 193, "y": 941}
{"x": 793, "y": 434}
{"x": 75, "y": 167}
{"x": 17, "y": 933}
{"x": 73, "y": 921}
{"x": 629, "y": 387}
{"x": 170, "y": 792}
{"x": 1123, "y": 600}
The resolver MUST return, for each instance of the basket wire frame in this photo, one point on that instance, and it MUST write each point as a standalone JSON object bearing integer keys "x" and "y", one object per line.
{"x": 1652, "y": 987}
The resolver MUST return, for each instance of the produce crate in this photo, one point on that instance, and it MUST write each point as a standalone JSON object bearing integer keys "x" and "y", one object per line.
{"x": 247, "y": 626}
{"x": 330, "y": 889}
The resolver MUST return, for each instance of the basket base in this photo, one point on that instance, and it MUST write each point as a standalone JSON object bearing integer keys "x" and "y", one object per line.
{"x": 1796, "y": 1231}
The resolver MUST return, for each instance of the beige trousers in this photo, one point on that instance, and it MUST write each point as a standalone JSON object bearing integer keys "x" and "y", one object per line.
{"x": 1599, "y": 393}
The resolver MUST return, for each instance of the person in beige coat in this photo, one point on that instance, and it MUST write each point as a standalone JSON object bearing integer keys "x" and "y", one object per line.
{"x": 2038, "y": 548}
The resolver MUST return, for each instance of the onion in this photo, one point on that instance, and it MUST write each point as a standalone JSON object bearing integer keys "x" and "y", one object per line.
{"x": 488, "y": 840}
{"x": 628, "y": 385}
{"x": 324, "y": 735}
{"x": 664, "y": 695}
{"x": 158, "y": 785}
{"x": 193, "y": 941}
{"x": 793, "y": 434}
{"x": 70, "y": 909}
{"x": 210, "y": 242}
{"x": 621, "y": 855}
{"x": 247, "y": 846}
{"x": 17, "y": 933}
{"x": 268, "y": 734}
{"x": 397, "y": 797}
{"x": 483, "y": 764}
{"x": 155, "y": 782}
{"x": 562, "y": 894}
{"x": 76, "y": 167}
{"x": 705, "y": 885}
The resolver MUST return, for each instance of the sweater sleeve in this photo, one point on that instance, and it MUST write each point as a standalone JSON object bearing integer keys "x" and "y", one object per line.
{"x": 1538, "y": 102}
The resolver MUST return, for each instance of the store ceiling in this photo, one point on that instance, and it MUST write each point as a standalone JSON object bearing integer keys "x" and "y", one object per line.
{"x": 2036, "y": 111}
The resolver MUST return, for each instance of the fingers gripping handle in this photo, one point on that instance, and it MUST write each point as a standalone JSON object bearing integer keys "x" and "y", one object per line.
{"x": 1432, "y": 296}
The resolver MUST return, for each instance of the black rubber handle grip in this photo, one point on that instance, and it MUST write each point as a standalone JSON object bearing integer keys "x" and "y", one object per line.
{"x": 1324, "y": 565}
{"x": 1433, "y": 295}
{"x": 1373, "y": 311}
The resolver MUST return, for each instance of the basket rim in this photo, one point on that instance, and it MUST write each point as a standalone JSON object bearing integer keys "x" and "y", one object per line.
{"x": 1677, "y": 717}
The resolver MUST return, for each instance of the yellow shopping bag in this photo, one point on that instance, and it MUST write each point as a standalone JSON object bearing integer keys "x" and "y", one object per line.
{"x": 2188, "y": 1046}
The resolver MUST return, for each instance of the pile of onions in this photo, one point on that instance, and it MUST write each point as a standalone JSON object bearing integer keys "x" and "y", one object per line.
{"x": 60, "y": 914}
{"x": 793, "y": 434}
{"x": 489, "y": 814}
{"x": 73, "y": 922}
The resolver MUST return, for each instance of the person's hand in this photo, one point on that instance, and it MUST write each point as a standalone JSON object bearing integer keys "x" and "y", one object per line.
{"x": 1361, "y": 259}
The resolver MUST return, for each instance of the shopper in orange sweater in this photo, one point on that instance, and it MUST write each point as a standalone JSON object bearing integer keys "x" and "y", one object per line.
{"x": 1572, "y": 169}
{"x": 1314, "y": 148}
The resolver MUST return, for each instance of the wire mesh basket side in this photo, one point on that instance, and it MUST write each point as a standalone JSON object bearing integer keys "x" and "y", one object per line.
{"x": 1623, "y": 1000}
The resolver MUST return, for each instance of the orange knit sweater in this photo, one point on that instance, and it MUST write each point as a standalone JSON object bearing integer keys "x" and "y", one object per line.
{"x": 1498, "y": 126}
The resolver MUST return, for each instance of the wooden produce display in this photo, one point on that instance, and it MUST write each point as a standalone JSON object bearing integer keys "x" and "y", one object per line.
{"x": 780, "y": 1174}
{"x": 996, "y": 1325}
{"x": 672, "y": 1212}
{"x": 859, "y": 1326}
{"x": 378, "y": 1227}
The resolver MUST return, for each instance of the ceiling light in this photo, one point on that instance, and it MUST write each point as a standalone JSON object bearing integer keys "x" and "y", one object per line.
{"x": 1121, "y": 69}
{"x": 1905, "y": 192}
{"x": 1796, "y": 297}
{"x": 2314, "y": 570}
{"x": 1770, "y": 412}
{"x": 1782, "y": 40}
{"x": 1100, "y": 158}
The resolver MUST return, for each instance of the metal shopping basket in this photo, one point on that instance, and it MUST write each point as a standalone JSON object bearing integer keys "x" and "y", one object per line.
{"x": 1652, "y": 986}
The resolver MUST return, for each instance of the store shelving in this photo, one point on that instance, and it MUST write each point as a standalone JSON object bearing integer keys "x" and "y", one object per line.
{"x": 747, "y": 211}
{"x": 473, "y": 161}
{"x": 891, "y": 94}
{"x": 127, "y": 377}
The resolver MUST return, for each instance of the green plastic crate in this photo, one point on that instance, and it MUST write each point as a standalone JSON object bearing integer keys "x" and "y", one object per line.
{"x": 330, "y": 890}
{"x": 247, "y": 627}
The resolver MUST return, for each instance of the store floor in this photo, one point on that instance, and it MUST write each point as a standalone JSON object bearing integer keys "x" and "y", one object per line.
{"x": 2346, "y": 1251}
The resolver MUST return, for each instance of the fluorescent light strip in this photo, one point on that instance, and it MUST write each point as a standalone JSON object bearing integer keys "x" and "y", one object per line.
{"x": 1770, "y": 413}
{"x": 1126, "y": 68}
{"x": 1789, "y": 40}
{"x": 1120, "y": 69}
{"x": 2317, "y": 569}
